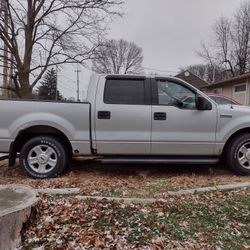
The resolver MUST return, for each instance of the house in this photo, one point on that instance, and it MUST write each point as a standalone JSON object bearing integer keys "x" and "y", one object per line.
{"x": 237, "y": 88}
{"x": 192, "y": 79}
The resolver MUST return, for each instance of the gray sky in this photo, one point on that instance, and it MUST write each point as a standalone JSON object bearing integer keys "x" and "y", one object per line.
{"x": 168, "y": 31}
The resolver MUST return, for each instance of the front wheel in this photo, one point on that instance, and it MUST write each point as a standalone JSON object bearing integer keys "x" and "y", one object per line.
{"x": 238, "y": 154}
{"x": 43, "y": 157}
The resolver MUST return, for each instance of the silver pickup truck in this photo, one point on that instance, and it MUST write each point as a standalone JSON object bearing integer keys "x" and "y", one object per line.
{"x": 126, "y": 119}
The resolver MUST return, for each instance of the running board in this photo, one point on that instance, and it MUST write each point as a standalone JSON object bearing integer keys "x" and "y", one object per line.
{"x": 120, "y": 160}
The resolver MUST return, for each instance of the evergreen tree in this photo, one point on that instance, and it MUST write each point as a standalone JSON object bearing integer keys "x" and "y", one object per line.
{"x": 48, "y": 88}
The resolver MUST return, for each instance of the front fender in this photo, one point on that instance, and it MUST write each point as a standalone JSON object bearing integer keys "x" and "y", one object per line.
{"x": 227, "y": 128}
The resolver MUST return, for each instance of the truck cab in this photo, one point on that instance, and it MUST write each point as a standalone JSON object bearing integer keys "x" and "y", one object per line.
{"x": 146, "y": 116}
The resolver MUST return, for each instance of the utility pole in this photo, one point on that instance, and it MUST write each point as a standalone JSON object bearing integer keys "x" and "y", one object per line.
{"x": 11, "y": 84}
{"x": 56, "y": 84}
{"x": 77, "y": 81}
{"x": 5, "y": 53}
{"x": 213, "y": 74}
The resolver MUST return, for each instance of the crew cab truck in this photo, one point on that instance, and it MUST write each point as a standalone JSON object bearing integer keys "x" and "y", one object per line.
{"x": 126, "y": 119}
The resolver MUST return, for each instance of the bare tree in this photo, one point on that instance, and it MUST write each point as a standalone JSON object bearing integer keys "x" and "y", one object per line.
{"x": 230, "y": 48}
{"x": 118, "y": 57}
{"x": 241, "y": 38}
{"x": 44, "y": 33}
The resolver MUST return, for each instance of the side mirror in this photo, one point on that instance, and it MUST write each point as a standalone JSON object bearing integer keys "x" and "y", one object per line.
{"x": 202, "y": 103}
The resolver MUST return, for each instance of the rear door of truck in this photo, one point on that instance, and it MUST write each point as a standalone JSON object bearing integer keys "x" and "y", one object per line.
{"x": 123, "y": 116}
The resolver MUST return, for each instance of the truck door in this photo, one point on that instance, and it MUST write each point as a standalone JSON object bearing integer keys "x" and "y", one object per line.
{"x": 178, "y": 128}
{"x": 123, "y": 116}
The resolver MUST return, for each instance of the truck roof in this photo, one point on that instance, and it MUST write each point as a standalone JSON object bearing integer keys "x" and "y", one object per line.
{"x": 125, "y": 77}
{"x": 144, "y": 77}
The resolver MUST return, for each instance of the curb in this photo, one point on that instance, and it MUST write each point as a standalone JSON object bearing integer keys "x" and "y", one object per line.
{"x": 239, "y": 185}
{"x": 75, "y": 191}
{"x": 58, "y": 191}
{"x": 244, "y": 185}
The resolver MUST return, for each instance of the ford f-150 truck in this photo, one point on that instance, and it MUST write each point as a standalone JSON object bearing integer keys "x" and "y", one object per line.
{"x": 126, "y": 119}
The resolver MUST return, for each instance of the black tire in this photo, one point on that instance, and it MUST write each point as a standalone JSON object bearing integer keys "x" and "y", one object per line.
{"x": 58, "y": 155}
{"x": 233, "y": 153}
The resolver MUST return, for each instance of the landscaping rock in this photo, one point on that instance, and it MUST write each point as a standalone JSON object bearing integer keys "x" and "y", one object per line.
{"x": 16, "y": 203}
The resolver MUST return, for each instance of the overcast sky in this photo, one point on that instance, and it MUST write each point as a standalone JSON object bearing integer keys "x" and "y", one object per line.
{"x": 168, "y": 31}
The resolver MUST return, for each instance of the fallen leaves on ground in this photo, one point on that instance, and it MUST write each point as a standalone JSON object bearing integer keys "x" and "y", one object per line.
{"x": 216, "y": 220}
{"x": 150, "y": 181}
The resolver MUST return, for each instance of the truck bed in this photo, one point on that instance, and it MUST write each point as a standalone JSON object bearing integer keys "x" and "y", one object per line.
{"x": 70, "y": 118}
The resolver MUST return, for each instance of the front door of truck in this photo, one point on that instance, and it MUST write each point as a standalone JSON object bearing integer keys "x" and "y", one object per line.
{"x": 123, "y": 116}
{"x": 178, "y": 128}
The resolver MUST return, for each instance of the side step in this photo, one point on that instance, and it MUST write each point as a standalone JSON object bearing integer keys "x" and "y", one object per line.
{"x": 141, "y": 160}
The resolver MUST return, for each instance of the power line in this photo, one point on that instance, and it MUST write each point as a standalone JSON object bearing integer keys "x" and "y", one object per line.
{"x": 161, "y": 70}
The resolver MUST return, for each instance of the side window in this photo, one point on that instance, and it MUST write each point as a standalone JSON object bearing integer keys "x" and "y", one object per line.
{"x": 174, "y": 94}
{"x": 124, "y": 91}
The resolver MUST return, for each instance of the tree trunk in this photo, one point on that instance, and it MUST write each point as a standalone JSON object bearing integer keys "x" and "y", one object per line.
{"x": 25, "y": 90}
{"x": 26, "y": 93}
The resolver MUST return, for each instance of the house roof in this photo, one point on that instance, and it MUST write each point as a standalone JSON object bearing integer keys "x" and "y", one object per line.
{"x": 231, "y": 81}
{"x": 192, "y": 79}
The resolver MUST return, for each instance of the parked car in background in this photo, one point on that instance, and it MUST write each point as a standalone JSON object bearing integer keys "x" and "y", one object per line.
{"x": 222, "y": 99}
{"x": 218, "y": 98}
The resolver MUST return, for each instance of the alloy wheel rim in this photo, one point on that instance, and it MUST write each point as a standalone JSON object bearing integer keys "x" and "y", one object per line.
{"x": 243, "y": 155}
{"x": 42, "y": 159}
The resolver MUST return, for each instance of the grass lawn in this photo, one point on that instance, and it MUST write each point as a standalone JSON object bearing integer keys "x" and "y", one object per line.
{"x": 216, "y": 220}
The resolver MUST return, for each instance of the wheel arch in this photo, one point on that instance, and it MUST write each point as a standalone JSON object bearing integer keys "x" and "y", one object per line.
{"x": 26, "y": 134}
{"x": 234, "y": 135}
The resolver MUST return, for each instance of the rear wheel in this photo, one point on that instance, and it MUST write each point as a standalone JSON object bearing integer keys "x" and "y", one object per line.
{"x": 43, "y": 157}
{"x": 238, "y": 154}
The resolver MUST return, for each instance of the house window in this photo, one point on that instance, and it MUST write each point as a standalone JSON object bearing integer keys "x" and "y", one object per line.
{"x": 240, "y": 88}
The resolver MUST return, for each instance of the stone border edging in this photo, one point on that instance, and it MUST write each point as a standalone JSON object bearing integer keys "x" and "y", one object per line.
{"x": 170, "y": 193}
{"x": 239, "y": 185}
{"x": 66, "y": 191}
{"x": 59, "y": 191}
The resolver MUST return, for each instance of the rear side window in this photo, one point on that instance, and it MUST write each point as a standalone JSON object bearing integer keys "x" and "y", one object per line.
{"x": 124, "y": 91}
